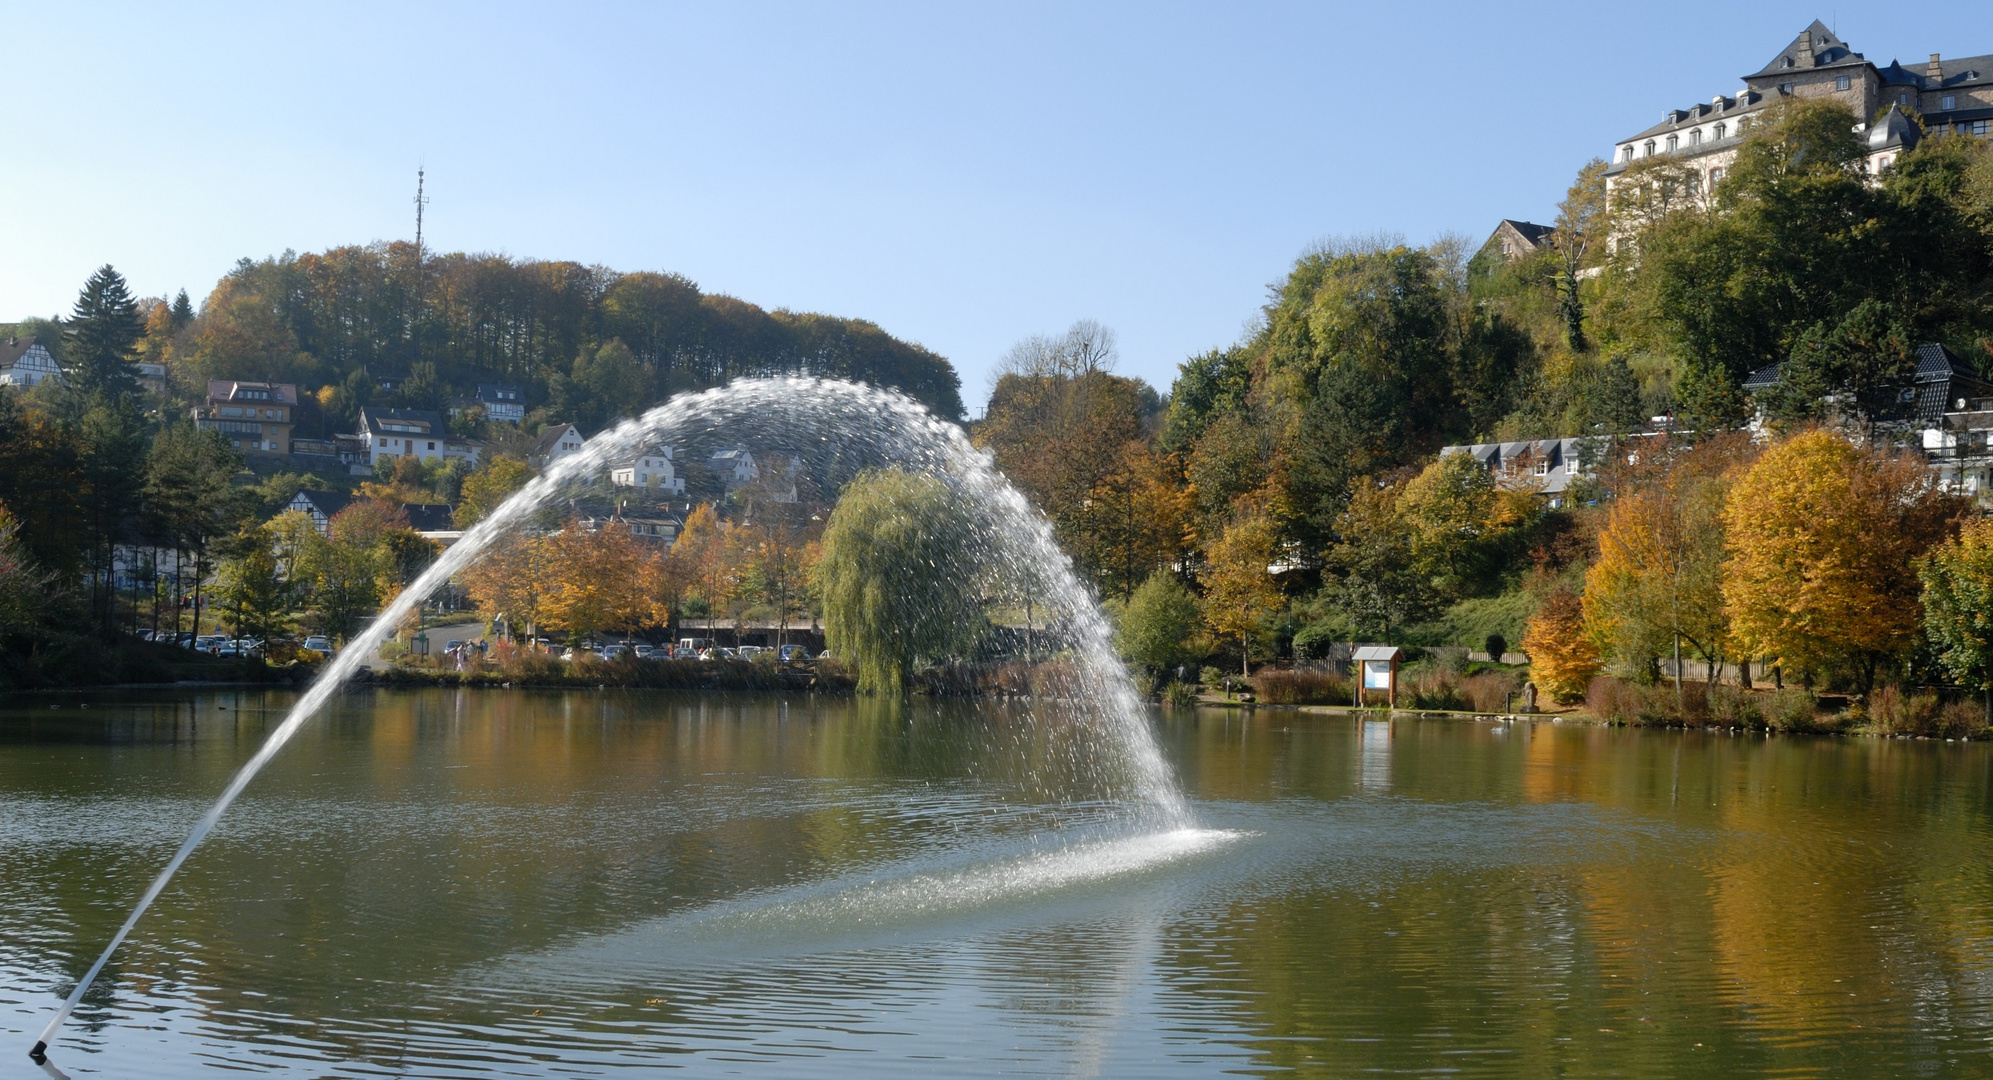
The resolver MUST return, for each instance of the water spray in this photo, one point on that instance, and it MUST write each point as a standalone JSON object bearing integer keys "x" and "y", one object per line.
{"x": 854, "y": 426}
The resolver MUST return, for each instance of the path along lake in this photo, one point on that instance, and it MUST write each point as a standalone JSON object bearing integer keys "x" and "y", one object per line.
{"x": 489, "y": 883}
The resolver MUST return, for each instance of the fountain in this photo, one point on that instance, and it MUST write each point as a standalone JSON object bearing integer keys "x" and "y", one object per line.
{"x": 839, "y": 427}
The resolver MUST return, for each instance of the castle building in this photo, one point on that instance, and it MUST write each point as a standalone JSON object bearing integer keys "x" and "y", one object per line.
{"x": 1950, "y": 96}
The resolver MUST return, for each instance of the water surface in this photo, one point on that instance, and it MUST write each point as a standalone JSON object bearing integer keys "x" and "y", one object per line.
{"x": 479, "y": 883}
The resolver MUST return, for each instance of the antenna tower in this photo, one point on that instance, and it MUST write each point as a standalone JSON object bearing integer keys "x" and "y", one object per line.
{"x": 421, "y": 201}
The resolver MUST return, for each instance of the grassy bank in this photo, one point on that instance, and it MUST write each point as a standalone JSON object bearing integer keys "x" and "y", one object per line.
{"x": 542, "y": 670}
{"x": 79, "y": 662}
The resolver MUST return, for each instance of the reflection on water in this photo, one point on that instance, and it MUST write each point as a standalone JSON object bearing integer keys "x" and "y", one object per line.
{"x": 464, "y": 883}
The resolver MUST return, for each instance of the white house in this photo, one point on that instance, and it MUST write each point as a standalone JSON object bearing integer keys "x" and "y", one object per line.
{"x": 26, "y": 362}
{"x": 734, "y": 467}
{"x": 651, "y": 470}
{"x": 502, "y": 401}
{"x": 393, "y": 433}
{"x": 556, "y": 443}
{"x": 1547, "y": 465}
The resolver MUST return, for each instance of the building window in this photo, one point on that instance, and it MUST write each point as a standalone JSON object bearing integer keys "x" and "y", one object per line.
{"x": 1650, "y": 148}
{"x": 1903, "y": 98}
{"x": 1977, "y": 127}
{"x": 432, "y": 446}
{"x": 1721, "y": 131}
{"x": 1715, "y": 175}
{"x": 1841, "y": 83}
{"x": 1626, "y": 153}
{"x": 1673, "y": 141}
{"x": 1695, "y": 137}
{"x": 1951, "y": 102}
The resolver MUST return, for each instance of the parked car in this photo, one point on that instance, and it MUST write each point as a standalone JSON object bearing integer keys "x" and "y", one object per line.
{"x": 749, "y": 652}
{"x": 794, "y": 654}
{"x": 684, "y": 652}
{"x": 646, "y": 652}
{"x": 210, "y": 643}
{"x": 615, "y": 652}
{"x": 320, "y": 645}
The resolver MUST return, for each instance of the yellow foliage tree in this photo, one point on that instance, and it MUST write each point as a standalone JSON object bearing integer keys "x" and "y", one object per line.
{"x": 1562, "y": 656}
{"x": 1658, "y": 580}
{"x": 1239, "y": 591}
{"x": 1824, "y": 542}
{"x": 505, "y": 581}
{"x": 595, "y": 579}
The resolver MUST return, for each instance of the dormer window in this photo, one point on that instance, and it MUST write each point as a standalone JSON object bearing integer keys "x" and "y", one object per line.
{"x": 1673, "y": 141}
{"x": 1626, "y": 152}
{"x": 1650, "y": 148}
{"x": 1721, "y": 130}
{"x": 1695, "y": 137}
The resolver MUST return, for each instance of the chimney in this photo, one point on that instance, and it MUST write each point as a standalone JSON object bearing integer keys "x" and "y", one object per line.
{"x": 1806, "y": 49}
{"x": 1935, "y": 71}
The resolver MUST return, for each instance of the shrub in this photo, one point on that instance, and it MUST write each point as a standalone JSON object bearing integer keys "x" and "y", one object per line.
{"x": 1730, "y": 706}
{"x": 1488, "y": 692}
{"x": 1614, "y": 701}
{"x": 1179, "y": 695}
{"x": 1961, "y": 720}
{"x": 1210, "y": 676}
{"x": 1300, "y": 686}
{"x": 1434, "y": 690}
{"x": 1792, "y": 709}
{"x": 1495, "y": 647}
{"x": 1892, "y": 712}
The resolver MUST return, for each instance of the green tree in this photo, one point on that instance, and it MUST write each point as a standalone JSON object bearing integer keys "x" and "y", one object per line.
{"x": 190, "y": 497}
{"x": 899, "y": 577}
{"x": 1159, "y": 624}
{"x": 490, "y": 484}
{"x": 103, "y": 331}
{"x": 1958, "y": 607}
{"x": 250, "y": 586}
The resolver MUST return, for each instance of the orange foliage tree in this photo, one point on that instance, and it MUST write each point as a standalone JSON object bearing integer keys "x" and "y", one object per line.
{"x": 595, "y": 579}
{"x": 1562, "y": 656}
{"x": 1658, "y": 581}
{"x": 1825, "y": 540}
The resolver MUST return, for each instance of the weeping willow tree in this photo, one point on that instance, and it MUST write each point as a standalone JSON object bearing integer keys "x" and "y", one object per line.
{"x": 899, "y": 577}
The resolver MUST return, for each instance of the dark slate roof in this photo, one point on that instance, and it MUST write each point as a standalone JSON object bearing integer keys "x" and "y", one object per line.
{"x": 375, "y": 421}
{"x": 500, "y": 392}
{"x": 1942, "y": 378}
{"x": 1769, "y": 375}
{"x": 1827, "y": 51}
{"x": 13, "y": 349}
{"x": 429, "y": 517}
{"x": 1895, "y": 131}
{"x": 326, "y": 502}
{"x": 1721, "y": 108}
{"x": 1532, "y": 232}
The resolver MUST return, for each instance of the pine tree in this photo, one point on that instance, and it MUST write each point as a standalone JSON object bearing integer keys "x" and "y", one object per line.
{"x": 183, "y": 310}
{"x": 103, "y": 331}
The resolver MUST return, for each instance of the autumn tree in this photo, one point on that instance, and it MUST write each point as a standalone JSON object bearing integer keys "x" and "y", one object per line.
{"x": 1658, "y": 580}
{"x": 899, "y": 577}
{"x": 491, "y": 483}
{"x": 1562, "y": 657}
{"x": 1239, "y": 590}
{"x": 1824, "y": 541}
{"x": 1958, "y": 607}
{"x": 506, "y": 582}
{"x": 595, "y": 579}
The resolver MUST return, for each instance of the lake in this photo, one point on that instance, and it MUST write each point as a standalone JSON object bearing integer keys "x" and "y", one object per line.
{"x": 447, "y": 883}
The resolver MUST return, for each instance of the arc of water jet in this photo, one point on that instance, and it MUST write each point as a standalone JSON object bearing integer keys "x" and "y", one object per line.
{"x": 947, "y": 450}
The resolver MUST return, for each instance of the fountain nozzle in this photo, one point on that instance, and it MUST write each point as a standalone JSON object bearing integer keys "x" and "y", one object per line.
{"x": 39, "y": 1053}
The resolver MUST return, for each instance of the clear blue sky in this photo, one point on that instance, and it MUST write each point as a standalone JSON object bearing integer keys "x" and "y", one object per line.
{"x": 962, "y": 175}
